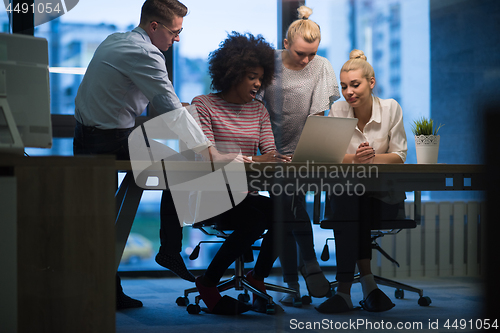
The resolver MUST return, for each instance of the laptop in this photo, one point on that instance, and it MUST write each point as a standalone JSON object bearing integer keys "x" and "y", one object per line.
{"x": 324, "y": 139}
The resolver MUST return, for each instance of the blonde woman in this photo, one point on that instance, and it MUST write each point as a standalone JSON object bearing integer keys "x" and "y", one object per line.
{"x": 304, "y": 84}
{"x": 378, "y": 138}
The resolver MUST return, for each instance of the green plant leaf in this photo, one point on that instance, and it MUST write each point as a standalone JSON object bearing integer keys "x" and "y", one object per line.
{"x": 425, "y": 126}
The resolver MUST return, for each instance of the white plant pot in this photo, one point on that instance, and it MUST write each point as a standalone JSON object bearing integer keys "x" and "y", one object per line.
{"x": 427, "y": 147}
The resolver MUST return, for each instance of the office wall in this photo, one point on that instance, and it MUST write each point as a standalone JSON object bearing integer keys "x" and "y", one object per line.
{"x": 465, "y": 74}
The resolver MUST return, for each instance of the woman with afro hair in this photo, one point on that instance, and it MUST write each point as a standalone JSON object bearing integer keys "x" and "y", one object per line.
{"x": 235, "y": 122}
{"x": 238, "y": 69}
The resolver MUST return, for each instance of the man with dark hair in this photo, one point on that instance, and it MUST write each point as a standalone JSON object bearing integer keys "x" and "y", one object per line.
{"x": 127, "y": 72}
{"x": 165, "y": 10}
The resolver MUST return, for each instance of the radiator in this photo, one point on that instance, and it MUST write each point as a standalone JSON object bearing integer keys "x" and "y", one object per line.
{"x": 448, "y": 242}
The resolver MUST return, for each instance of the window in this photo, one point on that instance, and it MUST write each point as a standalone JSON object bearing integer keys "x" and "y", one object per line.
{"x": 399, "y": 37}
{"x": 366, "y": 31}
{"x": 395, "y": 16}
{"x": 208, "y": 24}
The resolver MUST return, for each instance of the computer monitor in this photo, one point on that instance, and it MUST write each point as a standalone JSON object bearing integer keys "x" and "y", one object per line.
{"x": 24, "y": 93}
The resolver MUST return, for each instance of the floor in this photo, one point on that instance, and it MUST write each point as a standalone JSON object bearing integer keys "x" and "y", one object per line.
{"x": 457, "y": 304}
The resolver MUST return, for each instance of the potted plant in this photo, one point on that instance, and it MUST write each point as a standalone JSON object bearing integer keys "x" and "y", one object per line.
{"x": 426, "y": 140}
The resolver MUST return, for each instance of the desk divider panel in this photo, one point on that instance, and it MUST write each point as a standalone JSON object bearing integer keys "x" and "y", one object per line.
{"x": 65, "y": 219}
{"x": 8, "y": 253}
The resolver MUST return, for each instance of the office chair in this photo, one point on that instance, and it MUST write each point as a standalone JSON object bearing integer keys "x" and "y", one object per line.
{"x": 380, "y": 229}
{"x": 215, "y": 227}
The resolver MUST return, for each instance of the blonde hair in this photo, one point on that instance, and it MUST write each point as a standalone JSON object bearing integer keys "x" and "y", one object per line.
{"x": 303, "y": 27}
{"x": 357, "y": 60}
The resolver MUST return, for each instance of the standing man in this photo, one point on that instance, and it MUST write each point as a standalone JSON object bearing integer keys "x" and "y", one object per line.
{"x": 127, "y": 72}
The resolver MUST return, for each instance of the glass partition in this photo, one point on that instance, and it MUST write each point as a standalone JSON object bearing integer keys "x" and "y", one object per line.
{"x": 73, "y": 39}
{"x": 432, "y": 56}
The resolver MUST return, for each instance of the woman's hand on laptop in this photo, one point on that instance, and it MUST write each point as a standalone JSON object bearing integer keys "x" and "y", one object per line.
{"x": 364, "y": 154}
{"x": 272, "y": 156}
{"x": 212, "y": 154}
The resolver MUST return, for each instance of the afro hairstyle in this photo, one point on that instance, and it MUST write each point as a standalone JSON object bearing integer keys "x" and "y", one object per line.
{"x": 235, "y": 56}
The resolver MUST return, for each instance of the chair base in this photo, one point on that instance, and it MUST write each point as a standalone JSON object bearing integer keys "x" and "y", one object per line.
{"x": 240, "y": 282}
{"x": 400, "y": 287}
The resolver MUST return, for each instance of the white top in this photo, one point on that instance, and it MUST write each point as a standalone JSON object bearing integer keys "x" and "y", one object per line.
{"x": 384, "y": 132}
{"x": 126, "y": 73}
{"x": 294, "y": 95}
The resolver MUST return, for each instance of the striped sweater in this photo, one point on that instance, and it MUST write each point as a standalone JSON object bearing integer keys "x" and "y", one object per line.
{"x": 233, "y": 126}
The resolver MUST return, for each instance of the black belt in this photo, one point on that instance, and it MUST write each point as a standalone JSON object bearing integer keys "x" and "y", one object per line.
{"x": 93, "y": 129}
